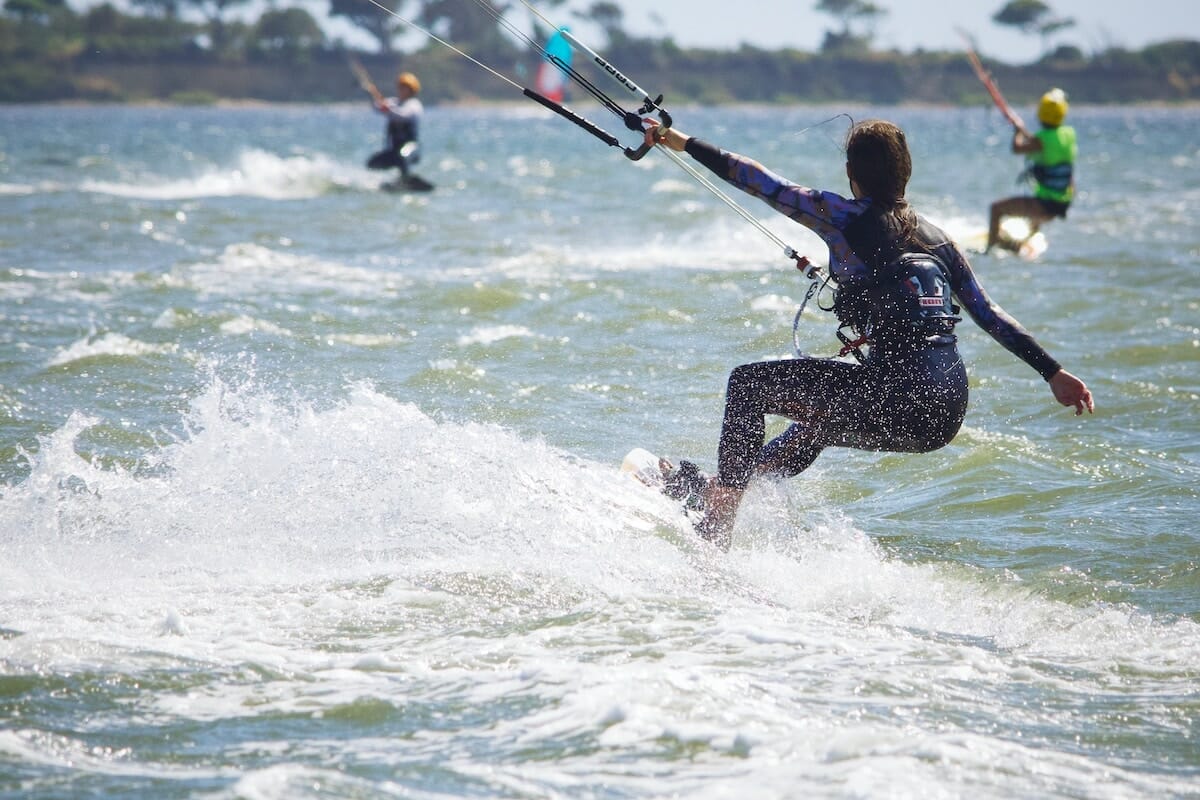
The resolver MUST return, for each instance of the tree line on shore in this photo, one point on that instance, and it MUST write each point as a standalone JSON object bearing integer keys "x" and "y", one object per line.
{"x": 49, "y": 52}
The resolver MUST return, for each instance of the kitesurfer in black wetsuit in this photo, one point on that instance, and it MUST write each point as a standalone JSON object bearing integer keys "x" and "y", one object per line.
{"x": 403, "y": 114}
{"x": 895, "y": 275}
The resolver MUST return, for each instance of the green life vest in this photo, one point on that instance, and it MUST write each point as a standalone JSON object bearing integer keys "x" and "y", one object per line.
{"x": 1053, "y": 168}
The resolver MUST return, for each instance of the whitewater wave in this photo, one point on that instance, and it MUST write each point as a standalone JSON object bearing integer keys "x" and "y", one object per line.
{"x": 263, "y": 491}
{"x": 255, "y": 173}
{"x": 349, "y": 561}
{"x": 108, "y": 345}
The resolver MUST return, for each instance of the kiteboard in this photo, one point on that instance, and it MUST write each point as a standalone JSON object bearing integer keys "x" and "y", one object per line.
{"x": 684, "y": 483}
{"x": 1015, "y": 237}
{"x": 412, "y": 183}
{"x": 643, "y": 466}
{"x": 1030, "y": 249}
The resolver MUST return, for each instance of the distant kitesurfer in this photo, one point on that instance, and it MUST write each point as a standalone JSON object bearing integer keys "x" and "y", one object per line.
{"x": 1051, "y": 153}
{"x": 403, "y": 114}
{"x": 895, "y": 275}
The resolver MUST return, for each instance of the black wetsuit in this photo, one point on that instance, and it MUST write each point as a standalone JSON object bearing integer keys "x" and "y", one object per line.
{"x": 403, "y": 125}
{"x": 910, "y": 392}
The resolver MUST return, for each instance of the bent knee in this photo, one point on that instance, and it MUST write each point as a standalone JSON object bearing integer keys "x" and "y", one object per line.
{"x": 743, "y": 382}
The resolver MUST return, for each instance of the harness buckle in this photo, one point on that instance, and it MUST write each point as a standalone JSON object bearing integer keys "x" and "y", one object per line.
{"x": 852, "y": 345}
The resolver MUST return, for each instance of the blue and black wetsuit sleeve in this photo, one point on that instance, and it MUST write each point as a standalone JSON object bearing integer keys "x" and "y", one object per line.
{"x": 823, "y": 213}
{"x": 709, "y": 155}
{"x": 1001, "y": 325}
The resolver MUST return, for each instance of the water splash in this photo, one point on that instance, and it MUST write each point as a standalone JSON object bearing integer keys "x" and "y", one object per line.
{"x": 255, "y": 173}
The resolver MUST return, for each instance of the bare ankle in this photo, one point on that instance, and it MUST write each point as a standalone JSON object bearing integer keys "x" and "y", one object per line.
{"x": 720, "y": 511}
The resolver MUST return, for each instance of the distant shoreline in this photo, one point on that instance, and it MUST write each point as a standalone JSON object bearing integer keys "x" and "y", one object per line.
{"x": 242, "y": 103}
{"x": 106, "y": 55}
{"x": 1169, "y": 76}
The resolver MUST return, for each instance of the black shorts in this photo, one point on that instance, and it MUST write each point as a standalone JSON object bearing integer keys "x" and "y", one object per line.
{"x": 1054, "y": 208}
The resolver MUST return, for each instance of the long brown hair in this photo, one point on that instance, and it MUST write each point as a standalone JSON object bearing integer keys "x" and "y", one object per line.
{"x": 881, "y": 165}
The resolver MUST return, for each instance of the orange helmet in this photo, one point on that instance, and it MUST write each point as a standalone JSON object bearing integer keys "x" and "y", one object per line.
{"x": 409, "y": 81}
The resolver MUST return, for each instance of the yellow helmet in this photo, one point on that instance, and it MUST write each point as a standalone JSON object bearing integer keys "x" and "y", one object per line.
{"x": 410, "y": 81}
{"x": 1052, "y": 109}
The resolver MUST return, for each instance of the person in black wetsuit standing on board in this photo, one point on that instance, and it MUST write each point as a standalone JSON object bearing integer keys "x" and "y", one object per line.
{"x": 897, "y": 277}
{"x": 403, "y": 113}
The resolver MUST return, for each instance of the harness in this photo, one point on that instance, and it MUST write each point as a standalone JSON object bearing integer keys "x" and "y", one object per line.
{"x": 400, "y": 131}
{"x": 1055, "y": 177}
{"x": 911, "y": 293}
{"x": 905, "y": 296}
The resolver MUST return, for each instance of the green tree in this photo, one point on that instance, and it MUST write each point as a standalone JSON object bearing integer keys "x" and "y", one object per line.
{"x": 37, "y": 37}
{"x": 290, "y": 32}
{"x": 1024, "y": 15}
{"x": 110, "y": 32}
{"x": 167, "y": 9}
{"x": 850, "y": 13}
{"x": 214, "y": 12}
{"x": 39, "y": 11}
{"x": 469, "y": 27}
{"x": 1053, "y": 26}
{"x": 376, "y": 21}
{"x": 610, "y": 17}
{"x": 1032, "y": 16}
{"x": 103, "y": 20}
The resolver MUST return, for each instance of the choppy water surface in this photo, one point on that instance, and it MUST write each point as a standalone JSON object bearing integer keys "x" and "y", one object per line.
{"x": 310, "y": 490}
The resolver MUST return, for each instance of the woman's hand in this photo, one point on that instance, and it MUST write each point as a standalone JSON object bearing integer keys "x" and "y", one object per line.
{"x": 668, "y": 137}
{"x": 1070, "y": 391}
